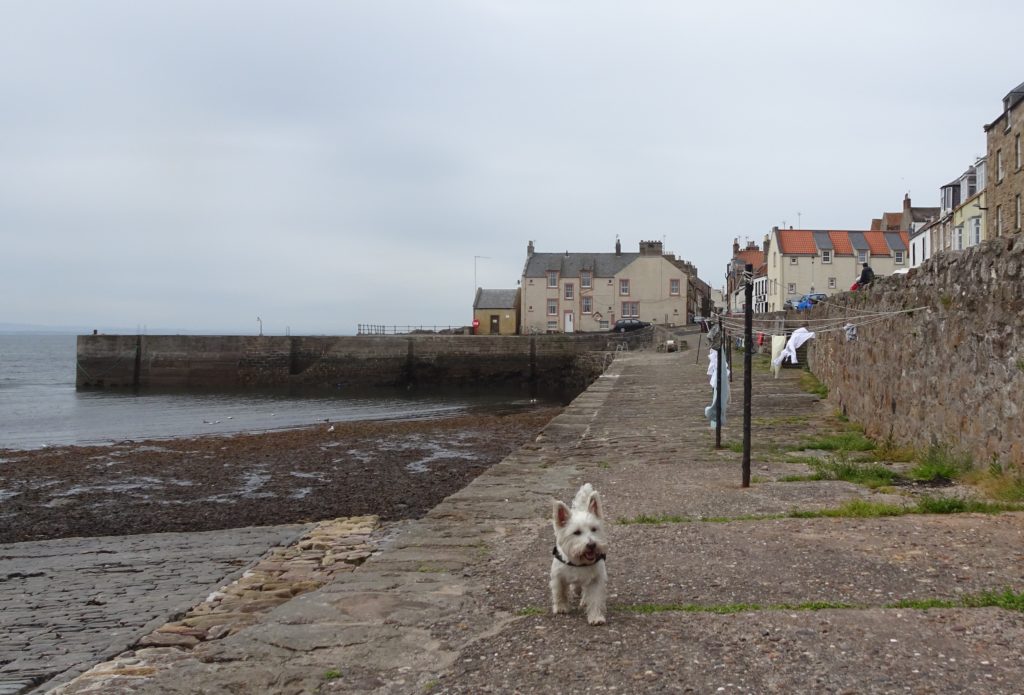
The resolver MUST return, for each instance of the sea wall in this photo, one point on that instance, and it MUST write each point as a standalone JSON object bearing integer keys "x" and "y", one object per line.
{"x": 950, "y": 372}
{"x": 549, "y": 362}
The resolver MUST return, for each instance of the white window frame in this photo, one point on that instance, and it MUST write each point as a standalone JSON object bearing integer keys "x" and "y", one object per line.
{"x": 623, "y": 287}
{"x": 899, "y": 257}
{"x": 793, "y": 260}
{"x": 831, "y": 283}
{"x": 552, "y": 307}
{"x": 999, "y": 220}
{"x": 999, "y": 166}
{"x": 862, "y": 256}
{"x": 791, "y": 288}
{"x": 569, "y": 293}
{"x": 958, "y": 237}
{"x": 586, "y": 279}
{"x": 1016, "y": 151}
{"x": 587, "y": 304}
{"x": 826, "y": 255}
{"x": 975, "y": 231}
{"x": 674, "y": 282}
{"x": 630, "y": 310}
{"x": 1018, "y": 211}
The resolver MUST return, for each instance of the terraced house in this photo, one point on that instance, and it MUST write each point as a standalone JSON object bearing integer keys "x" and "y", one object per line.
{"x": 1005, "y": 185}
{"x": 801, "y": 261}
{"x": 568, "y": 292}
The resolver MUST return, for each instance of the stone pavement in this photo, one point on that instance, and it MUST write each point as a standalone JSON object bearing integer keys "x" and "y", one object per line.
{"x": 718, "y": 597}
{"x": 66, "y": 604}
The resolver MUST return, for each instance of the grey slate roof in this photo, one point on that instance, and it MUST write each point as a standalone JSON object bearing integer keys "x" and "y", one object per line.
{"x": 895, "y": 241}
{"x": 858, "y": 242}
{"x": 602, "y": 265}
{"x": 495, "y": 299}
{"x": 822, "y": 240}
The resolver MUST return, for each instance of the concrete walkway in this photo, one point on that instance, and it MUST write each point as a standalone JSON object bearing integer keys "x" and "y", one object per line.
{"x": 457, "y": 602}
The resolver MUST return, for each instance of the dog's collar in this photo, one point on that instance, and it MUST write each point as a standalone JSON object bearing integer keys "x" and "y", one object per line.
{"x": 558, "y": 556}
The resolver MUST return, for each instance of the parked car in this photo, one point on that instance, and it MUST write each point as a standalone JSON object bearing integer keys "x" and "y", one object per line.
{"x": 812, "y": 298}
{"x": 625, "y": 325}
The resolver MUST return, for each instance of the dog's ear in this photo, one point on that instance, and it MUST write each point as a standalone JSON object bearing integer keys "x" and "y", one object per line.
{"x": 559, "y": 513}
{"x": 594, "y": 505}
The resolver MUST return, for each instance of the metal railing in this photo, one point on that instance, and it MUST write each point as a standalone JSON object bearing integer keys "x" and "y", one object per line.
{"x": 379, "y": 329}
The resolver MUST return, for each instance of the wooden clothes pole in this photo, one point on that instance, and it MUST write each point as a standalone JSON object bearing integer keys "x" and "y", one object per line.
{"x": 748, "y": 344}
{"x": 719, "y": 361}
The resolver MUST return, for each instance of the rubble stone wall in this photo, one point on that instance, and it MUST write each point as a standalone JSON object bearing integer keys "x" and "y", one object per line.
{"x": 950, "y": 372}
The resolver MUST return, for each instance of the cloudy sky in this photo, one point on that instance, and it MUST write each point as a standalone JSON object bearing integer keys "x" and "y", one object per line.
{"x": 320, "y": 164}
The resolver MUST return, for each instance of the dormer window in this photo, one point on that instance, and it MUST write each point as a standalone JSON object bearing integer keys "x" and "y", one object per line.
{"x": 862, "y": 256}
{"x": 826, "y": 255}
{"x": 585, "y": 279}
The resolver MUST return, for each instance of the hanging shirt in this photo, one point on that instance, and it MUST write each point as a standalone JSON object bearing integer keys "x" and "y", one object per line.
{"x": 798, "y": 338}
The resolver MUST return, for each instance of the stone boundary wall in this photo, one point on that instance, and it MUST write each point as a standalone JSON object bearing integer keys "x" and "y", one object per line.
{"x": 950, "y": 374}
{"x": 550, "y": 362}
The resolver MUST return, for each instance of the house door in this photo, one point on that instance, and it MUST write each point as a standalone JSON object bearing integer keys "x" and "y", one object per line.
{"x": 568, "y": 322}
{"x": 495, "y": 329}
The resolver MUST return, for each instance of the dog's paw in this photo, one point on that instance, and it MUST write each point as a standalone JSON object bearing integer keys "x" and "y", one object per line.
{"x": 559, "y": 608}
{"x": 596, "y": 620}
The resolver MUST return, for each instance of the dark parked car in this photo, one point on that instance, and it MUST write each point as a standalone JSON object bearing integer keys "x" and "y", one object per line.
{"x": 624, "y": 325}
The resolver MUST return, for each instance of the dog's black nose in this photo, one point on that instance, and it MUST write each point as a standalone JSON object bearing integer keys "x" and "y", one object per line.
{"x": 591, "y": 546}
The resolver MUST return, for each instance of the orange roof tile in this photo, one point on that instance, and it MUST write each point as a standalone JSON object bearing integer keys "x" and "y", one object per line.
{"x": 841, "y": 242}
{"x": 755, "y": 257}
{"x": 796, "y": 241}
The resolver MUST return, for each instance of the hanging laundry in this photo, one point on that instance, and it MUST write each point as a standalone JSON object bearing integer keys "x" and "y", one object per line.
{"x": 851, "y": 332}
{"x": 778, "y": 344}
{"x": 716, "y": 357}
{"x": 799, "y": 337}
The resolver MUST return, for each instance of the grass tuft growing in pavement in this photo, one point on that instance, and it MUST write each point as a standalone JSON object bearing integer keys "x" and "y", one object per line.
{"x": 811, "y": 384}
{"x": 853, "y": 508}
{"x": 872, "y": 475}
{"x": 850, "y": 440}
{"x": 939, "y": 463}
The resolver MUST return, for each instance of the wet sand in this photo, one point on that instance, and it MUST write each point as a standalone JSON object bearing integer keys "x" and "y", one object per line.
{"x": 396, "y": 470}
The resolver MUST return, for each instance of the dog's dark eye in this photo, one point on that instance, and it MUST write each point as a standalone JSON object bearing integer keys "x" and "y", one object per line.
{"x": 576, "y": 532}
{"x": 594, "y": 529}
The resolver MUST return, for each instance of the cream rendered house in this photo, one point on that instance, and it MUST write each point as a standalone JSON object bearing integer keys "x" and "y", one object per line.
{"x": 801, "y": 261}
{"x": 569, "y": 292}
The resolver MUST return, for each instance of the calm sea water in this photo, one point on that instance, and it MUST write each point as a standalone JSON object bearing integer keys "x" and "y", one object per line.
{"x": 39, "y": 405}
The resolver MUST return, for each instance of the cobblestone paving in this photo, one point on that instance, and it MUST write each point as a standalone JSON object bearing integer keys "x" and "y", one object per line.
{"x": 66, "y": 604}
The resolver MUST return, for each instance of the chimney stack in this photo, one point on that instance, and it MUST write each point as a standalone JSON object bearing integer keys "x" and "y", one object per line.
{"x": 529, "y": 249}
{"x": 618, "y": 247}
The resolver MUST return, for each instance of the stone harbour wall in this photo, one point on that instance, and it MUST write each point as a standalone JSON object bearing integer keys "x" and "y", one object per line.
{"x": 950, "y": 373}
{"x": 550, "y": 362}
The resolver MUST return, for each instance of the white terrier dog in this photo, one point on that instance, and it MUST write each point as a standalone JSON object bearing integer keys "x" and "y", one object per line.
{"x": 579, "y": 552}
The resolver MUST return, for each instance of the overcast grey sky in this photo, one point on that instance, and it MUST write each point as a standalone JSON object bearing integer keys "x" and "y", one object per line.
{"x": 321, "y": 164}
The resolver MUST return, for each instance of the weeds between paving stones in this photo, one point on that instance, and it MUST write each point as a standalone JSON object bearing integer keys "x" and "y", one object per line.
{"x": 1007, "y": 599}
{"x": 851, "y": 509}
